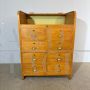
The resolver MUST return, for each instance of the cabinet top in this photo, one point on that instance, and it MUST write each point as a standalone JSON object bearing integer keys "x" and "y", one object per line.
{"x": 46, "y": 14}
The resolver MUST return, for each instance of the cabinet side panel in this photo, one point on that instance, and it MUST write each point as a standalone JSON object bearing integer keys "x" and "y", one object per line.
{"x": 22, "y": 17}
{"x": 70, "y": 17}
{"x": 19, "y": 22}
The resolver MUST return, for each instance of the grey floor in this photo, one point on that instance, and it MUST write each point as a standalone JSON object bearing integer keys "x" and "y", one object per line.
{"x": 10, "y": 79}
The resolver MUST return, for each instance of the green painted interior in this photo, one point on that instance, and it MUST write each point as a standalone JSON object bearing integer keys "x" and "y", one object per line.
{"x": 47, "y": 19}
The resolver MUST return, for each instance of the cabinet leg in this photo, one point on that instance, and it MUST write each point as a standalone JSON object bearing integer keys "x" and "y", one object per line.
{"x": 69, "y": 77}
{"x": 23, "y": 77}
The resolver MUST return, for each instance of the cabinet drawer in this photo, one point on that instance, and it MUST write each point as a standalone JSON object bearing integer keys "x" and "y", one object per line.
{"x": 61, "y": 37}
{"x": 62, "y": 34}
{"x": 34, "y": 58}
{"x": 34, "y": 69}
{"x": 34, "y": 46}
{"x": 66, "y": 45}
{"x": 55, "y": 68}
{"x": 34, "y": 33}
{"x": 30, "y": 69}
{"x": 58, "y": 58}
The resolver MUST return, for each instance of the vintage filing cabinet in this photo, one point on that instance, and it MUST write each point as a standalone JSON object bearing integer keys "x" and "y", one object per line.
{"x": 46, "y": 43}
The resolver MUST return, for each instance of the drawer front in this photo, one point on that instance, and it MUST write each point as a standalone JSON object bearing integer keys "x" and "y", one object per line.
{"x": 34, "y": 46}
{"x": 55, "y": 69}
{"x": 58, "y": 46}
{"x": 34, "y": 34}
{"x": 61, "y": 37}
{"x": 61, "y": 33}
{"x": 59, "y": 58}
{"x": 60, "y": 63}
{"x": 34, "y": 58}
{"x": 29, "y": 69}
{"x": 54, "y": 58}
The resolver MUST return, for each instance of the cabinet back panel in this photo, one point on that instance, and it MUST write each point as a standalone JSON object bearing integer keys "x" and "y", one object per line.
{"x": 46, "y": 20}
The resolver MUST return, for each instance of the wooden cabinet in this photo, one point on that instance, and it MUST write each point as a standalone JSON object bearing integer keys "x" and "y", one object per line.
{"x": 46, "y": 43}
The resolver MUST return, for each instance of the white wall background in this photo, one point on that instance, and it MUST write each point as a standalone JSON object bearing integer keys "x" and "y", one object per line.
{"x": 9, "y": 47}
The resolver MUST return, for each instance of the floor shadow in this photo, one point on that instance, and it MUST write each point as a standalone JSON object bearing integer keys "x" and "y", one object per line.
{"x": 80, "y": 42}
{"x": 76, "y": 67}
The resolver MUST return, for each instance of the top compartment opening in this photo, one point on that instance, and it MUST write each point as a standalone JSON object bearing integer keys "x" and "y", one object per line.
{"x": 47, "y": 19}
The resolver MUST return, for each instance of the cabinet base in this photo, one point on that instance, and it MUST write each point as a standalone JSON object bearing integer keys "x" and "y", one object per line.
{"x": 23, "y": 77}
{"x": 69, "y": 77}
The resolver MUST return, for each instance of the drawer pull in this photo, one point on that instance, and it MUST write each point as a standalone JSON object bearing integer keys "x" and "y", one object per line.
{"x": 60, "y": 36}
{"x": 34, "y": 70}
{"x": 33, "y": 48}
{"x": 59, "y": 48}
{"x": 34, "y": 59}
{"x": 59, "y": 59}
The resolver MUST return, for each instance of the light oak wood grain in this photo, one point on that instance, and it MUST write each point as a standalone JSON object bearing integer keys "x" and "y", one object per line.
{"x": 46, "y": 49}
